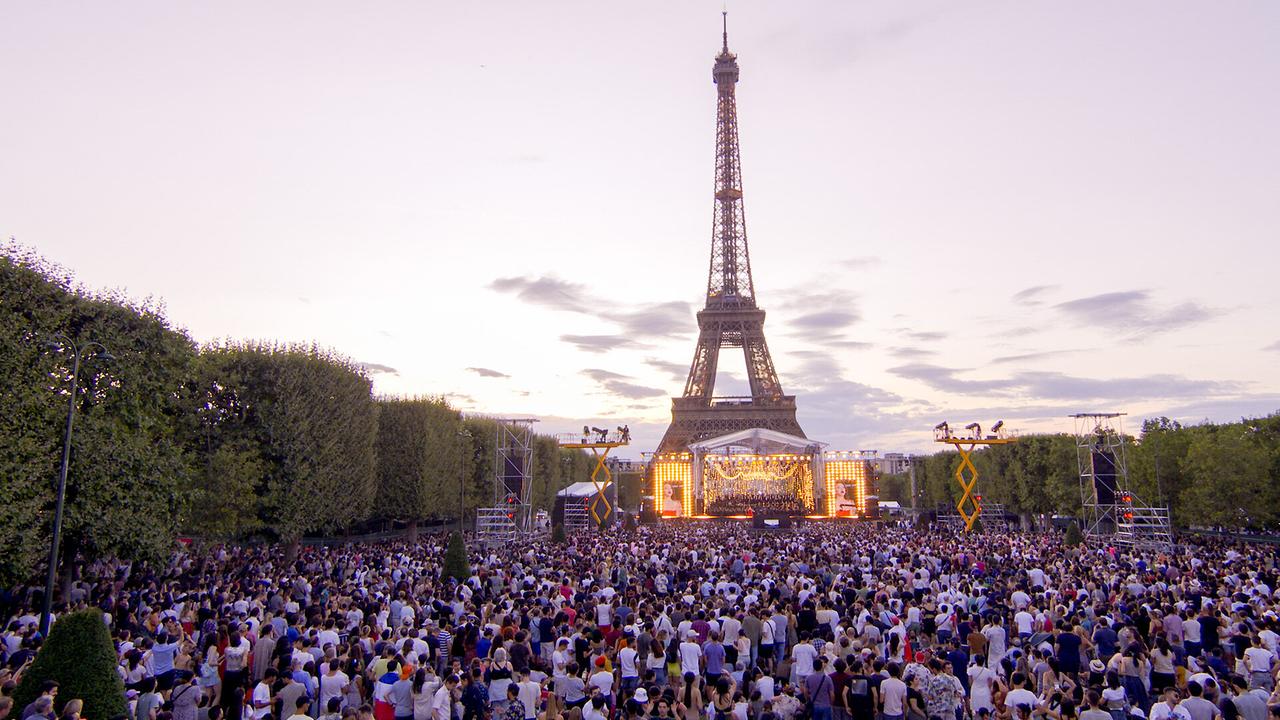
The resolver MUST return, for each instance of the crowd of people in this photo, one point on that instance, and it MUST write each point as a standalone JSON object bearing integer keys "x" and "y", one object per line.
{"x": 687, "y": 621}
{"x": 761, "y": 503}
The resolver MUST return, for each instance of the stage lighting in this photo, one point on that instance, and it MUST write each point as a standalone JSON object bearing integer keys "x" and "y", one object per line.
{"x": 975, "y": 427}
{"x": 996, "y": 428}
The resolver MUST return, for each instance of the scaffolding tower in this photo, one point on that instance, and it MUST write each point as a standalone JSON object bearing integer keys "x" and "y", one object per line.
{"x": 577, "y": 518}
{"x": 1111, "y": 510}
{"x": 599, "y": 441}
{"x": 511, "y": 514}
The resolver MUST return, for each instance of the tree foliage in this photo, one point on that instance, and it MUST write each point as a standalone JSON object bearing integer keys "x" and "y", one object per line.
{"x": 308, "y": 416}
{"x": 455, "y": 559}
{"x": 129, "y": 473}
{"x": 81, "y": 657}
{"x": 1210, "y": 474}
{"x": 422, "y": 454}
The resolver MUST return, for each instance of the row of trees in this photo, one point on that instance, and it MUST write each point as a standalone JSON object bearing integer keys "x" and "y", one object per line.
{"x": 225, "y": 441}
{"x": 1209, "y": 474}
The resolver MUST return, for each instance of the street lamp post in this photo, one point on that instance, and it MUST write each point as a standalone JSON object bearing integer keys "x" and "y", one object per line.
{"x": 78, "y": 353}
{"x": 463, "y": 434}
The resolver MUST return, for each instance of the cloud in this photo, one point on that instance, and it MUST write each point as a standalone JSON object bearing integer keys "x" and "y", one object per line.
{"x": 668, "y": 319}
{"x": 664, "y": 319}
{"x": 620, "y": 385}
{"x": 862, "y": 262}
{"x": 1022, "y": 331}
{"x": 486, "y": 372}
{"x": 1026, "y": 357}
{"x": 599, "y": 343}
{"x": 462, "y": 398}
{"x": 824, "y": 321}
{"x": 923, "y": 335}
{"x": 1032, "y": 295}
{"x": 843, "y": 412}
{"x": 1133, "y": 311}
{"x": 378, "y": 369}
{"x": 848, "y": 344}
{"x": 603, "y": 375}
{"x": 1161, "y": 386}
{"x": 909, "y": 352}
{"x": 1228, "y": 409}
{"x": 674, "y": 370}
{"x": 545, "y": 291}
{"x": 819, "y": 317}
{"x": 1273, "y": 347}
{"x": 945, "y": 379}
{"x": 1058, "y": 386}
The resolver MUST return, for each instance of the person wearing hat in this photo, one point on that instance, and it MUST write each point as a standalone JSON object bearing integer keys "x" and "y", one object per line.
{"x": 602, "y": 679}
{"x": 639, "y": 705}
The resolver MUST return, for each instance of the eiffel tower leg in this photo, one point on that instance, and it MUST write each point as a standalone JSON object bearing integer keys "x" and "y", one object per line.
{"x": 702, "y": 374}
{"x": 760, "y": 371}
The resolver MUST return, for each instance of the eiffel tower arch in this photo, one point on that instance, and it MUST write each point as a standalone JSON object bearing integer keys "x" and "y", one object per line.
{"x": 731, "y": 318}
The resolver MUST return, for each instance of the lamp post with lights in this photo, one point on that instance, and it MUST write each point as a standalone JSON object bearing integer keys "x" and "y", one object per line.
{"x": 79, "y": 353}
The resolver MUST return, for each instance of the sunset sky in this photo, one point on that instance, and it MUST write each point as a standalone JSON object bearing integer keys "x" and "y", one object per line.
{"x": 959, "y": 211}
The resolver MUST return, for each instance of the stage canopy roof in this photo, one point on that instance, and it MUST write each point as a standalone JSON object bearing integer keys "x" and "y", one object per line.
{"x": 580, "y": 489}
{"x": 758, "y": 441}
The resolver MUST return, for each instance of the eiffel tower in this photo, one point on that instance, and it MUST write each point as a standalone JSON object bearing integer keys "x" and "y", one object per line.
{"x": 731, "y": 317}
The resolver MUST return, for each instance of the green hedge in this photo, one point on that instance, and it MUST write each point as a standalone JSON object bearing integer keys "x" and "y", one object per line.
{"x": 79, "y": 654}
{"x": 455, "y": 559}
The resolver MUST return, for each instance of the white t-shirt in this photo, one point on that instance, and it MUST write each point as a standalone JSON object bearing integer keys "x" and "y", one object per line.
{"x": 1162, "y": 711}
{"x": 442, "y": 706}
{"x": 894, "y": 694}
{"x": 1259, "y": 659}
{"x": 802, "y": 657}
{"x": 261, "y": 700}
{"x": 765, "y": 686}
{"x": 1020, "y": 696}
{"x": 1024, "y": 620}
{"x": 604, "y": 681}
{"x": 330, "y": 687}
{"x": 530, "y": 695}
{"x": 690, "y": 654}
{"x": 560, "y": 663}
{"x": 236, "y": 655}
{"x": 627, "y": 662}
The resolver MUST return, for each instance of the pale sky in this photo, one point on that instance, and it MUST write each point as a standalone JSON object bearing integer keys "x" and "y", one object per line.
{"x": 960, "y": 211}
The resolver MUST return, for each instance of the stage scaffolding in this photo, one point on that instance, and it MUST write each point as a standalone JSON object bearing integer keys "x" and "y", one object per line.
{"x": 511, "y": 513}
{"x": 1111, "y": 511}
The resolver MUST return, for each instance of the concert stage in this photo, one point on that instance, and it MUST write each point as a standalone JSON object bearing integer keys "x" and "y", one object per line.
{"x": 763, "y": 473}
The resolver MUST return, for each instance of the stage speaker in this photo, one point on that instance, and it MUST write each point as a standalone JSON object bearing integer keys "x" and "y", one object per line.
{"x": 512, "y": 477}
{"x": 774, "y": 522}
{"x": 1104, "y": 475}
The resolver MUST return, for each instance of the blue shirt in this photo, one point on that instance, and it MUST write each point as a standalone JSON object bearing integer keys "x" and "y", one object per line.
{"x": 714, "y": 653}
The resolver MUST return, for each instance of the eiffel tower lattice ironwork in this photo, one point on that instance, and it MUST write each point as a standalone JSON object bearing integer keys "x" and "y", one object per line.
{"x": 731, "y": 317}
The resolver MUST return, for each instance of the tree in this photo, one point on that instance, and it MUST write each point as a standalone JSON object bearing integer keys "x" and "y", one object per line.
{"x": 81, "y": 657}
{"x": 310, "y": 416}
{"x": 421, "y": 456}
{"x": 455, "y": 559}
{"x": 1073, "y": 537}
{"x": 1229, "y": 471}
{"x": 129, "y": 474}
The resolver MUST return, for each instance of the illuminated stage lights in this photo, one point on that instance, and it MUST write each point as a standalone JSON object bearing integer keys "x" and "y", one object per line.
{"x": 672, "y": 472}
{"x": 737, "y": 478}
{"x": 847, "y": 481}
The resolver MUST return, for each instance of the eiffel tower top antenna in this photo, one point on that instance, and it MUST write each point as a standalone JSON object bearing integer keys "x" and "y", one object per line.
{"x": 724, "y": 16}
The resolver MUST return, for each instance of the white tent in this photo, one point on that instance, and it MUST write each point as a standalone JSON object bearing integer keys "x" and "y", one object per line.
{"x": 581, "y": 490}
